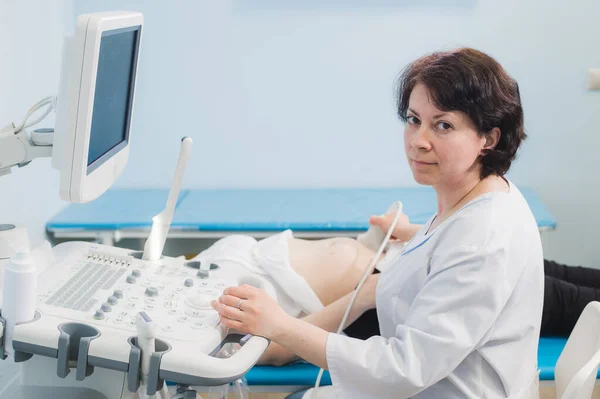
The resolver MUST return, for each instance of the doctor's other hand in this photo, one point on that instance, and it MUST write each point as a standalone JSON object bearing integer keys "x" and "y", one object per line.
{"x": 250, "y": 310}
{"x": 403, "y": 231}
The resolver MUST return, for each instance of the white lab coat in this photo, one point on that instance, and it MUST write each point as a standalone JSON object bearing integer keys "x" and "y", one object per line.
{"x": 459, "y": 311}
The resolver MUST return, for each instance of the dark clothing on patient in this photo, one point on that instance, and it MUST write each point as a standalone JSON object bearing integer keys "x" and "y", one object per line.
{"x": 567, "y": 291}
{"x": 365, "y": 326}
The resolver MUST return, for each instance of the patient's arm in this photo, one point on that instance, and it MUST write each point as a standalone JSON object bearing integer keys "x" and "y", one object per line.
{"x": 328, "y": 318}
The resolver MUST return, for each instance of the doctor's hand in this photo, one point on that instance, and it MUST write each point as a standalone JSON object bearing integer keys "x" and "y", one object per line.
{"x": 250, "y": 310}
{"x": 403, "y": 231}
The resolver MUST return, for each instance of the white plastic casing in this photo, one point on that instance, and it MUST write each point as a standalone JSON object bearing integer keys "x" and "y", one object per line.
{"x": 190, "y": 327}
{"x": 76, "y": 103}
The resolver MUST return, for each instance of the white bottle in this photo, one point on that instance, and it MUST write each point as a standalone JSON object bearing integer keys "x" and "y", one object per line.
{"x": 12, "y": 239}
{"x": 19, "y": 294}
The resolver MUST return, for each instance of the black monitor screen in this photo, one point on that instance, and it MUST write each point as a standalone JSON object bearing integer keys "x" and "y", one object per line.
{"x": 113, "y": 96}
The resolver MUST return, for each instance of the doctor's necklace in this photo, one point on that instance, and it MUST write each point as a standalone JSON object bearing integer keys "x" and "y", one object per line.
{"x": 455, "y": 205}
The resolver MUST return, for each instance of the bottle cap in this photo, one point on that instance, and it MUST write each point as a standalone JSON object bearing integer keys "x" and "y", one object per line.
{"x": 22, "y": 261}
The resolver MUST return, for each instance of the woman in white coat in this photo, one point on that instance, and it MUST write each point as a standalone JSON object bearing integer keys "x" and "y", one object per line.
{"x": 460, "y": 307}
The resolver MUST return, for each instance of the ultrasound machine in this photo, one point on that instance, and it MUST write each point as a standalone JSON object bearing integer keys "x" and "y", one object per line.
{"x": 108, "y": 322}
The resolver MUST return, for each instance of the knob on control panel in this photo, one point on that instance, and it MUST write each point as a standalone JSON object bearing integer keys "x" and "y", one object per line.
{"x": 199, "y": 301}
{"x": 202, "y": 273}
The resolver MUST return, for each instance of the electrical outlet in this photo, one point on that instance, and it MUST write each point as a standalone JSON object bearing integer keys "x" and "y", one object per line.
{"x": 594, "y": 79}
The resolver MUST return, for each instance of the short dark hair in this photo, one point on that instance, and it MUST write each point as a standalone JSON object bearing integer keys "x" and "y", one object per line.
{"x": 470, "y": 81}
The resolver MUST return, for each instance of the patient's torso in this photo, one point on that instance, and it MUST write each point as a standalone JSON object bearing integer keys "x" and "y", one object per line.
{"x": 307, "y": 273}
{"x": 332, "y": 267}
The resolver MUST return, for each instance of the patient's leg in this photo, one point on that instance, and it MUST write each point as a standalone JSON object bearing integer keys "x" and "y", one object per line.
{"x": 332, "y": 267}
{"x": 563, "y": 304}
{"x": 579, "y": 275}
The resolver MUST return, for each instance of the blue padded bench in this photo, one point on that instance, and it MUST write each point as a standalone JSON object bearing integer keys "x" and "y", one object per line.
{"x": 298, "y": 374}
{"x": 304, "y": 374}
{"x": 127, "y": 213}
{"x": 548, "y": 352}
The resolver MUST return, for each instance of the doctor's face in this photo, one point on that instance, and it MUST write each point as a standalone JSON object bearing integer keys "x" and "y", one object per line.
{"x": 442, "y": 147}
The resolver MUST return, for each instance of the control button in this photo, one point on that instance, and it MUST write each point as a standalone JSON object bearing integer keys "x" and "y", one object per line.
{"x": 136, "y": 273}
{"x": 188, "y": 282}
{"x": 112, "y": 300}
{"x": 198, "y": 325}
{"x": 202, "y": 273}
{"x": 199, "y": 301}
{"x": 151, "y": 291}
{"x": 118, "y": 294}
{"x": 106, "y": 307}
{"x": 130, "y": 279}
{"x": 195, "y": 312}
{"x": 99, "y": 315}
{"x": 169, "y": 304}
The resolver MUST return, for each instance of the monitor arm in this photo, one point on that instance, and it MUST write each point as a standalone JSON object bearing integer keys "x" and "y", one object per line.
{"x": 19, "y": 149}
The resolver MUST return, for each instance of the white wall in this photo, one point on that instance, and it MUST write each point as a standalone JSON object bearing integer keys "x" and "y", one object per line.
{"x": 31, "y": 35}
{"x": 299, "y": 93}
